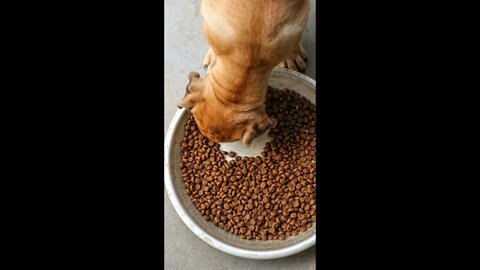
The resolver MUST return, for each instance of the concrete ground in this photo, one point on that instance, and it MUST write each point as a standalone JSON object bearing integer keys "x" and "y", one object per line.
{"x": 185, "y": 49}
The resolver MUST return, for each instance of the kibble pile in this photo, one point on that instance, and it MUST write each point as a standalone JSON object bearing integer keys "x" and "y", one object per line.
{"x": 265, "y": 197}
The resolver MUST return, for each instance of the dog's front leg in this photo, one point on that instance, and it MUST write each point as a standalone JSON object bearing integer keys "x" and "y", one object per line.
{"x": 297, "y": 60}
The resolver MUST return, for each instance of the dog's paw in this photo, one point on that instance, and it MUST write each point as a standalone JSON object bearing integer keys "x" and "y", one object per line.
{"x": 297, "y": 60}
{"x": 209, "y": 60}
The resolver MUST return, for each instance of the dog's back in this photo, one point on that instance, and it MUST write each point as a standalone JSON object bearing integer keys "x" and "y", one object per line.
{"x": 254, "y": 32}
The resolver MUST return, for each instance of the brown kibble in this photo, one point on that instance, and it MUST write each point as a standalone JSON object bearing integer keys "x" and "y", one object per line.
{"x": 267, "y": 197}
{"x": 291, "y": 186}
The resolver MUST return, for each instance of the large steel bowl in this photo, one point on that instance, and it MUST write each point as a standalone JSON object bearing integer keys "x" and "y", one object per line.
{"x": 206, "y": 230}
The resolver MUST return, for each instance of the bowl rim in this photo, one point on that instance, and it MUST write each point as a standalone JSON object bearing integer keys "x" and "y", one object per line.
{"x": 196, "y": 229}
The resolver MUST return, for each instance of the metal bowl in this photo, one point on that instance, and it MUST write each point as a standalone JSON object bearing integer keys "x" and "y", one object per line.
{"x": 215, "y": 236}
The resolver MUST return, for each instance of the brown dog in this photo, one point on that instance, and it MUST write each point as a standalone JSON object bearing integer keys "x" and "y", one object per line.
{"x": 247, "y": 39}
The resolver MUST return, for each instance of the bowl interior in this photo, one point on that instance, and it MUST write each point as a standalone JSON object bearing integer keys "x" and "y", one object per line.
{"x": 279, "y": 79}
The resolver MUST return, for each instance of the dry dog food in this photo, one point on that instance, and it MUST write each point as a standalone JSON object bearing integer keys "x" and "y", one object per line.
{"x": 271, "y": 196}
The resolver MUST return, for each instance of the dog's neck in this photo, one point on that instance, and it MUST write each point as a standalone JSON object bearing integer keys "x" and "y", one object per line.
{"x": 239, "y": 84}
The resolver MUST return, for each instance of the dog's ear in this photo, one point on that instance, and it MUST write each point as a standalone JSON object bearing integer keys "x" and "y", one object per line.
{"x": 249, "y": 135}
{"x": 187, "y": 102}
{"x": 257, "y": 128}
{"x": 192, "y": 86}
{"x": 193, "y": 75}
{"x": 192, "y": 92}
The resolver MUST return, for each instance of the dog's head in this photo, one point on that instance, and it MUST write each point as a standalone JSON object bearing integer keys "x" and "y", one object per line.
{"x": 220, "y": 122}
